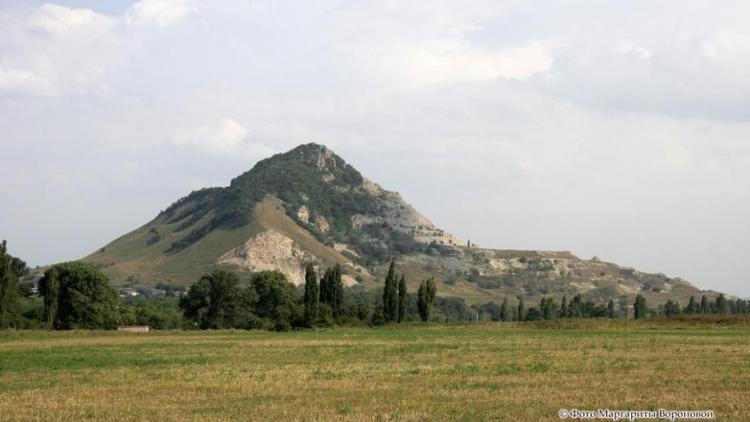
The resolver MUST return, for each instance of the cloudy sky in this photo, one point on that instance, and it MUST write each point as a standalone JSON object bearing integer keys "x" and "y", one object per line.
{"x": 607, "y": 128}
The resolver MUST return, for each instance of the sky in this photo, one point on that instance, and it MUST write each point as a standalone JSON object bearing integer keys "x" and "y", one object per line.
{"x": 606, "y": 128}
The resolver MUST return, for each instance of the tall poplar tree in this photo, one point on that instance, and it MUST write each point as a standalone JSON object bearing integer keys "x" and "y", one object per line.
{"x": 640, "y": 308}
{"x": 721, "y": 306}
{"x": 403, "y": 299}
{"x": 548, "y": 308}
{"x": 505, "y": 314}
{"x": 337, "y": 285}
{"x": 704, "y": 305}
{"x": 312, "y": 297}
{"x": 332, "y": 290}
{"x": 692, "y": 306}
{"x": 521, "y": 310}
{"x": 425, "y": 297}
{"x": 390, "y": 294}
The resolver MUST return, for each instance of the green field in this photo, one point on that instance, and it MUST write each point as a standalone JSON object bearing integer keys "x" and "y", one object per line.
{"x": 491, "y": 371}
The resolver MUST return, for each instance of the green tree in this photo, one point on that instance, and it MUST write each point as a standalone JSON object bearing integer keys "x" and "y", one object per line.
{"x": 338, "y": 292}
{"x": 548, "y": 308}
{"x": 403, "y": 299}
{"x": 311, "y": 295}
{"x": 505, "y": 312}
{"x": 425, "y": 298}
{"x": 576, "y": 307}
{"x": 721, "y": 306}
{"x": 390, "y": 295}
{"x": 76, "y": 295}
{"x": 521, "y": 311}
{"x": 640, "y": 309}
{"x": 671, "y": 308}
{"x": 8, "y": 288}
{"x": 277, "y": 302}
{"x": 704, "y": 305}
{"x": 692, "y": 306}
{"x": 332, "y": 290}
{"x": 533, "y": 315}
{"x": 216, "y": 301}
{"x": 611, "y": 309}
{"x": 564, "y": 307}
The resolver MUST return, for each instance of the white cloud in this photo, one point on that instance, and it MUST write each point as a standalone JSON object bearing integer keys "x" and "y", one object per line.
{"x": 455, "y": 60}
{"x": 19, "y": 81}
{"x": 57, "y": 51}
{"x": 56, "y": 19}
{"x": 630, "y": 49}
{"x": 227, "y": 138}
{"x": 159, "y": 12}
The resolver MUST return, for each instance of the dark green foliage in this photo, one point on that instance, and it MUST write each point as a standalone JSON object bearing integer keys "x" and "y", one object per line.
{"x": 721, "y": 306}
{"x": 521, "y": 313}
{"x": 533, "y": 314}
{"x": 672, "y": 308}
{"x": 390, "y": 295}
{"x": 332, "y": 290}
{"x": 704, "y": 308}
{"x": 692, "y": 306}
{"x": 403, "y": 300}
{"x": 355, "y": 313}
{"x": 159, "y": 314}
{"x": 576, "y": 307}
{"x": 17, "y": 266}
{"x": 287, "y": 176}
{"x": 488, "y": 311}
{"x": 505, "y": 312}
{"x": 277, "y": 301}
{"x": 155, "y": 237}
{"x": 76, "y": 295}
{"x": 425, "y": 298}
{"x": 580, "y": 308}
{"x": 743, "y": 307}
{"x": 451, "y": 309}
{"x": 9, "y": 293}
{"x": 311, "y": 295}
{"x": 216, "y": 301}
{"x": 640, "y": 309}
{"x": 548, "y": 308}
{"x": 378, "y": 315}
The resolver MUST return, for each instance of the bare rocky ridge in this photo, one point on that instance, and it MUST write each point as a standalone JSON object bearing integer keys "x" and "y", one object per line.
{"x": 401, "y": 216}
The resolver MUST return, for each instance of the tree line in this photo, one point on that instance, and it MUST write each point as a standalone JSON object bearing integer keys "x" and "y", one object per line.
{"x": 76, "y": 295}
{"x": 324, "y": 299}
{"x": 578, "y": 307}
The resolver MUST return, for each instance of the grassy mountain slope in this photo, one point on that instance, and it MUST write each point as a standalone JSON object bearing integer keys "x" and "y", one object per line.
{"x": 309, "y": 205}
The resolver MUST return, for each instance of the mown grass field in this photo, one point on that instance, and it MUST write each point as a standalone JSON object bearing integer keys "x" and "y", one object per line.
{"x": 489, "y": 371}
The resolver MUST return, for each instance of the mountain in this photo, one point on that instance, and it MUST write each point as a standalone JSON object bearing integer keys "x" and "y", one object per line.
{"x": 309, "y": 205}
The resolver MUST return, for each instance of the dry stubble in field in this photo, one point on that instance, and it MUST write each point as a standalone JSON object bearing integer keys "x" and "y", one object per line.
{"x": 466, "y": 372}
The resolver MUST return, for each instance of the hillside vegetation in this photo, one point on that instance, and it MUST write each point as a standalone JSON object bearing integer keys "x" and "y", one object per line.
{"x": 309, "y": 205}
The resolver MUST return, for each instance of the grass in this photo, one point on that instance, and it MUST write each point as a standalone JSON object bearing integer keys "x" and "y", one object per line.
{"x": 486, "y": 371}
